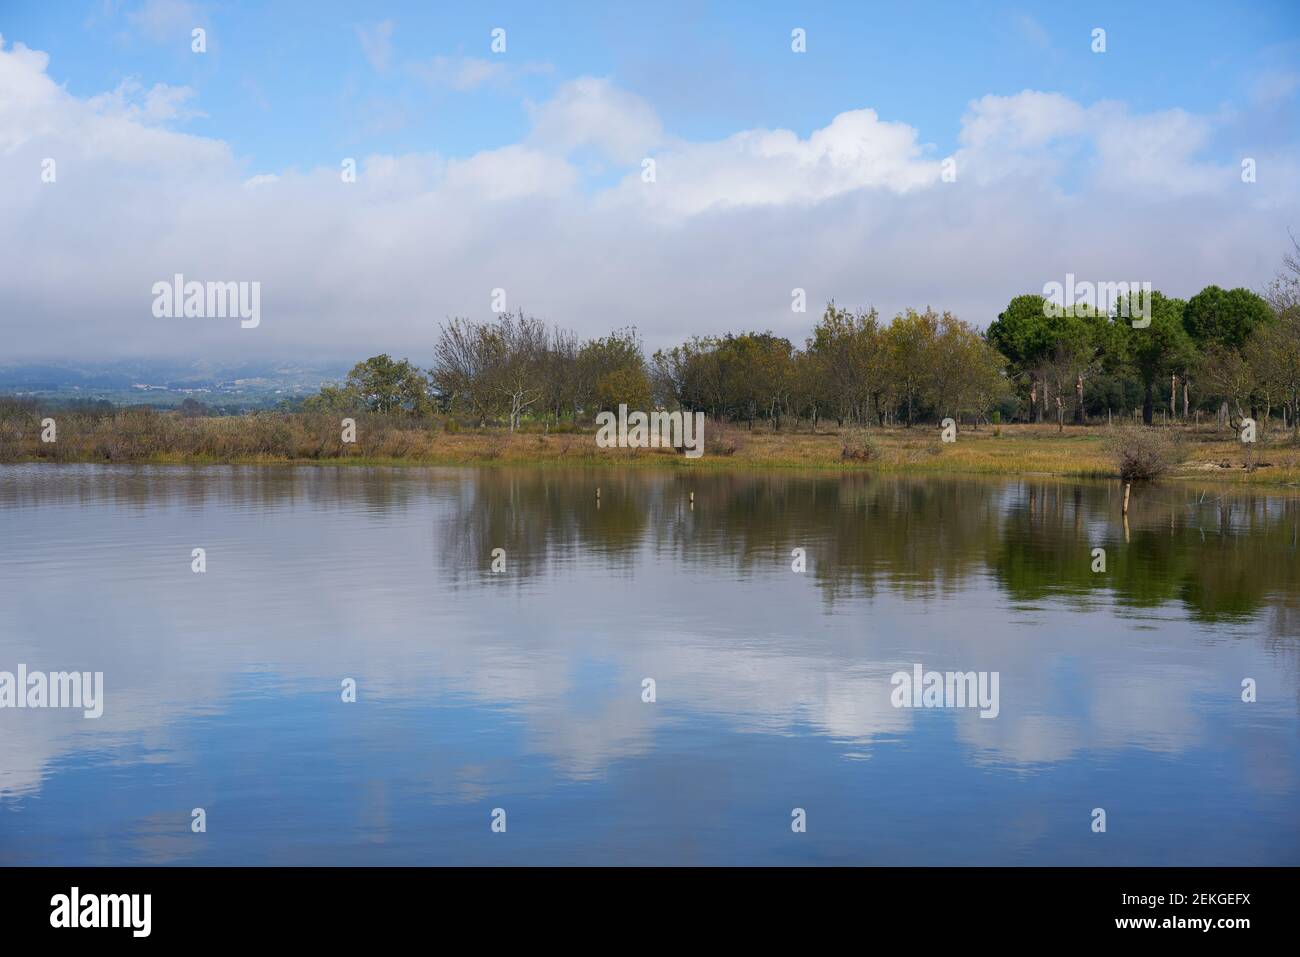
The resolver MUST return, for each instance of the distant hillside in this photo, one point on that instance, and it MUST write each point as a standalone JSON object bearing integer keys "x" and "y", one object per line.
{"x": 169, "y": 382}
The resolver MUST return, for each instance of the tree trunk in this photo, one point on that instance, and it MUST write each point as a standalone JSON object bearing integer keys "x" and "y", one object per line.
{"x": 1148, "y": 403}
{"x": 1078, "y": 399}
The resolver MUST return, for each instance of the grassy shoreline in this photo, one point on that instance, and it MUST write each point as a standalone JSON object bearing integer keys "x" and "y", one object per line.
{"x": 1009, "y": 450}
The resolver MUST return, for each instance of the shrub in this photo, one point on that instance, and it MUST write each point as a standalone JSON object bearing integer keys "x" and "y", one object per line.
{"x": 495, "y": 446}
{"x": 1143, "y": 453}
{"x": 859, "y": 447}
{"x": 721, "y": 438}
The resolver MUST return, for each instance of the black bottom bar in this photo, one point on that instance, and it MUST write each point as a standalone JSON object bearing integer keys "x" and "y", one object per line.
{"x": 338, "y": 905}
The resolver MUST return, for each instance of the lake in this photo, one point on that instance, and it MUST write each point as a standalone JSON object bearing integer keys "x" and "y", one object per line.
{"x": 519, "y": 696}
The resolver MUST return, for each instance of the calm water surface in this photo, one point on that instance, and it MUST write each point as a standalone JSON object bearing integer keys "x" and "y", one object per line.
{"x": 523, "y": 690}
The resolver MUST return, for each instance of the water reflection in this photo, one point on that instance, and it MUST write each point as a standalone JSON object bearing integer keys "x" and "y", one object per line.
{"x": 523, "y": 689}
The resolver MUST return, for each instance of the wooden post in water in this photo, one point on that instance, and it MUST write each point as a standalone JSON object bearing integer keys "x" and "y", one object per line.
{"x": 1127, "y": 487}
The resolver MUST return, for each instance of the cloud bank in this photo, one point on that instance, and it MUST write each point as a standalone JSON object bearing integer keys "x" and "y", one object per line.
{"x": 858, "y": 210}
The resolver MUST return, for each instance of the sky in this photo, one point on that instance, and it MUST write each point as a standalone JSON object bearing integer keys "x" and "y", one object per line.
{"x": 941, "y": 154}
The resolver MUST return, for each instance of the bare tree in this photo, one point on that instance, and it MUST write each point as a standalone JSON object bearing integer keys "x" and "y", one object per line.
{"x": 1284, "y": 291}
{"x": 462, "y": 360}
{"x": 518, "y": 346}
{"x": 561, "y": 374}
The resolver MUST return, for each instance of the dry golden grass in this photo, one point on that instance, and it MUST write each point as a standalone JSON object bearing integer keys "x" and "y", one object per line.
{"x": 1078, "y": 451}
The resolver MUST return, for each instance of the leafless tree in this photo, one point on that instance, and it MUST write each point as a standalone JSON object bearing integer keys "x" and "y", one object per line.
{"x": 462, "y": 360}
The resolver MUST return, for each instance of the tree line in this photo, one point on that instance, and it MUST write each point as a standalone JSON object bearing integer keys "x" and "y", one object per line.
{"x": 1226, "y": 352}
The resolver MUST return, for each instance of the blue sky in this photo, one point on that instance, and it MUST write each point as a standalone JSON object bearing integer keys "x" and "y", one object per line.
{"x": 522, "y": 169}
{"x": 289, "y": 84}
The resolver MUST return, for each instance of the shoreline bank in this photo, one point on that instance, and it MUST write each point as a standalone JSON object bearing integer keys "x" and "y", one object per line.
{"x": 1014, "y": 451}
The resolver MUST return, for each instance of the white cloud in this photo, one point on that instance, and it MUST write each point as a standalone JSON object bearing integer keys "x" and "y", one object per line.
{"x": 777, "y": 168}
{"x": 1275, "y": 86}
{"x": 466, "y": 73}
{"x": 1157, "y": 152}
{"x": 1034, "y": 135}
{"x": 157, "y": 105}
{"x": 29, "y": 96}
{"x": 855, "y": 211}
{"x": 509, "y": 173}
{"x": 166, "y": 21}
{"x": 1034, "y": 32}
{"x": 118, "y": 127}
{"x": 591, "y": 111}
{"x": 377, "y": 44}
{"x": 1026, "y": 120}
